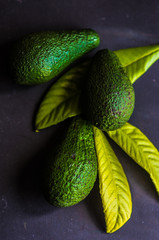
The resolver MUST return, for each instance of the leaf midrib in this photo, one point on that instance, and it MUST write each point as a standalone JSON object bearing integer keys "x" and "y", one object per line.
{"x": 148, "y": 54}
{"x": 116, "y": 191}
{"x": 51, "y": 112}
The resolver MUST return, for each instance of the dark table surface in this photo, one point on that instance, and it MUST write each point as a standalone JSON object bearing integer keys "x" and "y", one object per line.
{"x": 24, "y": 213}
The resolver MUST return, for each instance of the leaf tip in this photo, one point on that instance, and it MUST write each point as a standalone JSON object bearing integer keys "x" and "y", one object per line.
{"x": 111, "y": 228}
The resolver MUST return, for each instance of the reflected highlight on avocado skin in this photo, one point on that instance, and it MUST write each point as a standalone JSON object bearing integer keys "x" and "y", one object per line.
{"x": 39, "y": 57}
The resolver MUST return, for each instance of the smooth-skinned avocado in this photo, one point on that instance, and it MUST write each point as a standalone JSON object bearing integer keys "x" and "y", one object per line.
{"x": 71, "y": 169}
{"x": 109, "y": 97}
{"x": 39, "y": 57}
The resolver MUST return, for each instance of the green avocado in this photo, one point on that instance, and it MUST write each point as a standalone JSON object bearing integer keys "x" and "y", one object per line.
{"x": 71, "y": 169}
{"x": 39, "y": 57}
{"x": 109, "y": 97}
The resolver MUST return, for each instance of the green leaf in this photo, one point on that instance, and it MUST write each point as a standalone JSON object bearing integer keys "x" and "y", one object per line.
{"x": 139, "y": 148}
{"x": 62, "y": 99}
{"x": 114, "y": 188}
{"x": 137, "y": 60}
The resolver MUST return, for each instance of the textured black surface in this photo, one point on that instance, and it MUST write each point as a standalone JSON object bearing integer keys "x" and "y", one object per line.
{"x": 24, "y": 214}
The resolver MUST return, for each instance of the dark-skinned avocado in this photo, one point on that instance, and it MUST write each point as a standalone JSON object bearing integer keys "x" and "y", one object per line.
{"x": 39, "y": 57}
{"x": 109, "y": 98}
{"x": 71, "y": 169}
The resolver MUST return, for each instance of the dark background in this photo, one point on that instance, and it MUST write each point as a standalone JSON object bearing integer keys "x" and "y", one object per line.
{"x": 24, "y": 213}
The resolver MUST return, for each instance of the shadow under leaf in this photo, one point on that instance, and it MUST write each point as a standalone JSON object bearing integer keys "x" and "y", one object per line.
{"x": 94, "y": 205}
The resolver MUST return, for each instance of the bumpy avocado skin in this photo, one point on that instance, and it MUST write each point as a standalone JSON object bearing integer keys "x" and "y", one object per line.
{"x": 109, "y": 96}
{"x": 72, "y": 167}
{"x": 39, "y": 57}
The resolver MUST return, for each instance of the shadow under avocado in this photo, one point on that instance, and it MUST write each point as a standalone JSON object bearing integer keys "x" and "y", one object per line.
{"x": 7, "y": 80}
{"x": 5, "y": 69}
{"x": 29, "y": 186}
{"x": 30, "y": 178}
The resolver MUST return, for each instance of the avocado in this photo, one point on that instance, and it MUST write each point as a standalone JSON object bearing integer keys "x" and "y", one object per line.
{"x": 109, "y": 98}
{"x": 39, "y": 57}
{"x": 71, "y": 169}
